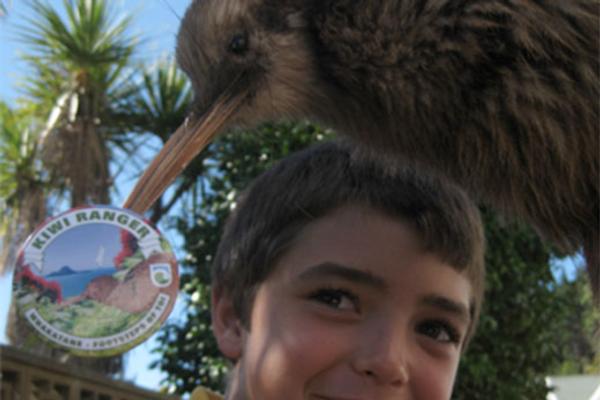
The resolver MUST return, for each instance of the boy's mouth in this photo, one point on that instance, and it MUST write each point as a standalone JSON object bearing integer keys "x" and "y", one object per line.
{"x": 323, "y": 397}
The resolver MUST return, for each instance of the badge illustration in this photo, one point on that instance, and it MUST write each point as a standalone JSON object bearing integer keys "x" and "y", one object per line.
{"x": 96, "y": 281}
{"x": 161, "y": 274}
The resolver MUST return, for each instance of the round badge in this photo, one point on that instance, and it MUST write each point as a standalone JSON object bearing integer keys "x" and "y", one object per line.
{"x": 96, "y": 281}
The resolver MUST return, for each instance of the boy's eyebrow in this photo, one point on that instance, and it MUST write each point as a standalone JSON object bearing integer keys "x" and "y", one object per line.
{"x": 331, "y": 269}
{"x": 457, "y": 308}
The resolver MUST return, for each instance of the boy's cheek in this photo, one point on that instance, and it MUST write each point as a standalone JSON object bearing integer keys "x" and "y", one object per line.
{"x": 434, "y": 378}
{"x": 286, "y": 351}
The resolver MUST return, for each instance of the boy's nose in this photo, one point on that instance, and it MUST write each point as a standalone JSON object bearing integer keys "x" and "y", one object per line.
{"x": 382, "y": 357}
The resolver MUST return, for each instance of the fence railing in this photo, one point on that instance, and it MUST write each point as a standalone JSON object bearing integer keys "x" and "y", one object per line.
{"x": 25, "y": 376}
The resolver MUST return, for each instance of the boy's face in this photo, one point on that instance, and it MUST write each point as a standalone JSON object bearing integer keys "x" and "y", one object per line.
{"x": 353, "y": 311}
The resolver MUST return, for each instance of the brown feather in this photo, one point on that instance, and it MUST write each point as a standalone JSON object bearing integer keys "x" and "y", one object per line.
{"x": 502, "y": 96}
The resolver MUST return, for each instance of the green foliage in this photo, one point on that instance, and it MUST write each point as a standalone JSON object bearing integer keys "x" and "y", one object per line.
{"x": 18, "y": 146}
{"x": 90, "y": 36}
{"x": 162, "y": 102}
{"x": 80, "y": 55}
{"x": 580, "y": 330}
{"x": 78, "y": 84}
{"x": 22, "y": 185}
{"x": 515, "y": 346}
{"x": 163, "y": 99}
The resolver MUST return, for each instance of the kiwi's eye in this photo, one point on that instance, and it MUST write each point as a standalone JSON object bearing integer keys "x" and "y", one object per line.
{"x": 238, "y": 44}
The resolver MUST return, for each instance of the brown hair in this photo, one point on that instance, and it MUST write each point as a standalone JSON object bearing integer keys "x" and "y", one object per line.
{"x": 309, "y": 184}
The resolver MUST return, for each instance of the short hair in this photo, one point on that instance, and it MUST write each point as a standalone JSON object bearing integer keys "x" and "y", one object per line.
{"x": 307, "y": 185}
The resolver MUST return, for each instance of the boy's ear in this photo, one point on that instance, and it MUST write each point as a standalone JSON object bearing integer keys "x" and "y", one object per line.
{"x": 227, "y": 327}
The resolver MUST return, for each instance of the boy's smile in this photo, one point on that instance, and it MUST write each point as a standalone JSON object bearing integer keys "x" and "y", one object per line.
{"x": 354, "y": 310}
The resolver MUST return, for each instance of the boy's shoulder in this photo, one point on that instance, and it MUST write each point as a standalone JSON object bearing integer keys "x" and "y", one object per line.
{"x": 201, "y": 393}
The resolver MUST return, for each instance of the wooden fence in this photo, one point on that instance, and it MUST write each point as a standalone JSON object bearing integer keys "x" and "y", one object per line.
{"x": 28, "y": 377}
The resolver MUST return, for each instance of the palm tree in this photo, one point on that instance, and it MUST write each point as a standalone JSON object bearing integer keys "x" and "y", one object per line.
{"x": 162, "y": 103}
{"x": 79, "y": 86}
{"x": 3, "y": 8}
{"x": 79, "y": 80}
{"x": 81, "y": 89}
{"x": 22, "y": 188}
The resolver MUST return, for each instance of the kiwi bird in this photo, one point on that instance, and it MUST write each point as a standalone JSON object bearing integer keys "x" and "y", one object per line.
{"x": 501, "y": 96}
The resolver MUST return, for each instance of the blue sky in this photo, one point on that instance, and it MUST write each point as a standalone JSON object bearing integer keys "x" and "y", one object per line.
{"x": 156, "y": 23}
{"x": 75, "y": 249}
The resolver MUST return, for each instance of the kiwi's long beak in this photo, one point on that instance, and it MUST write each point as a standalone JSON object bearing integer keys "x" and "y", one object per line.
{"x": 187, "y": 141}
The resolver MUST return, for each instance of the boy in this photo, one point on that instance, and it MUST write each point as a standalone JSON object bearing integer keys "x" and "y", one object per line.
{"x": 338, "y": 280}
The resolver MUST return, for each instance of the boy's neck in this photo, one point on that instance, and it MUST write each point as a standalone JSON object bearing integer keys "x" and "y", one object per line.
{"x": 234, "y": 386}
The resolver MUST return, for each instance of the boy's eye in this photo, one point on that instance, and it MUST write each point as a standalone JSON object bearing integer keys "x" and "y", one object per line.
{"x": 336, "y": 298}
{"x": 439, "y": 331}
